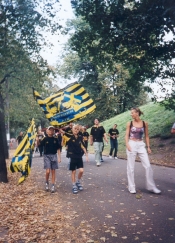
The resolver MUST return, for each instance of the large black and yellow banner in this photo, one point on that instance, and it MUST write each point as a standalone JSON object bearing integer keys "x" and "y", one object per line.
{"x": 22, "y": 159}
{"x": 69, "y": 104}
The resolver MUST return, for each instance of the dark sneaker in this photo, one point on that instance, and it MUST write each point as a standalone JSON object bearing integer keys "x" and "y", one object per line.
{"x": 79, "y": 186}
{"x": 101, "y": 160}
{"x": 74, "y": 190}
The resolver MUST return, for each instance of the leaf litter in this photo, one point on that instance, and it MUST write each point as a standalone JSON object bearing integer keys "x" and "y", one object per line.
{"x": 32, "y": 215}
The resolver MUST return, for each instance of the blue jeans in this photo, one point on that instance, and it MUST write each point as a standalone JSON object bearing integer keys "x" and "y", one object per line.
{"x": 114, "y": 146}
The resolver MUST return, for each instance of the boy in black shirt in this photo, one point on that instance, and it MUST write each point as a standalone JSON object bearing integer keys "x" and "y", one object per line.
{"x": 96, "y": 138}
{"x": 19, "y": 138}
{"x": 40, "y": 136}
{"x": 51, "y": 150}
{"x": 68, "y": 130}
{"x": 113, "y": 134}
{"x": 75, "y": 147}
{"x": 85, "y": 137}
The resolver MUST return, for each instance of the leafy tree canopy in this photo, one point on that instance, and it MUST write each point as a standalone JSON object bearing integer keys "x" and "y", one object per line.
{"x": 133, "y": 32}
{"x": 27, "y": 22}
{"x": 23, "y": 33}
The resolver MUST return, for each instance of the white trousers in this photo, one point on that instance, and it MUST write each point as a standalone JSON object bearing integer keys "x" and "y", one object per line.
{"x": 138, "y": 148}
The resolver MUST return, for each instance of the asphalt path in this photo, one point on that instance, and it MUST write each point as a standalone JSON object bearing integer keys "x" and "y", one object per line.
{"x": 110, "y": 210}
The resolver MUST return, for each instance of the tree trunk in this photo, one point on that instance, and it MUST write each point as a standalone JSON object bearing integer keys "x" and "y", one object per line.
{"x": 6, "y": 148}
{"x": 6, "y": 134}
{"x": 3, "y": 167}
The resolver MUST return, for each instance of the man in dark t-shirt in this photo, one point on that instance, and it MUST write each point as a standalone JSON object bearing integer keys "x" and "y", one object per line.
{"x": 51, "y": 151}
{"x": 40, "y": 136}
{"x": 85, "y": 135}
{"x": 96, "y": 138}
{"x": 68, "y": 130}
{"x": 59, "y": 137}
{"x": 19, "y": 138}
{"x": 113, "y": 134}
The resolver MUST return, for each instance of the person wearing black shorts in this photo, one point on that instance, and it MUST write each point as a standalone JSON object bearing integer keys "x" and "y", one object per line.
{"x": 75, "y": 153}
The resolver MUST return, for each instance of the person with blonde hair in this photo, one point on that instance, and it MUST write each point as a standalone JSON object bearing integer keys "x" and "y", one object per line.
{"x": 135, "y": 130}
{"x": 75, "y": 151}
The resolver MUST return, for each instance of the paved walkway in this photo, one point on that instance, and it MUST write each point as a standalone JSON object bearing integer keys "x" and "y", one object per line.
{"x": 115, "y": 215}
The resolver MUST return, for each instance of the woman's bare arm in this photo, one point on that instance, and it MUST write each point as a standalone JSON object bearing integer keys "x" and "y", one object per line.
{"x": 127, "y": 136}
{"x": 147, "y": 137}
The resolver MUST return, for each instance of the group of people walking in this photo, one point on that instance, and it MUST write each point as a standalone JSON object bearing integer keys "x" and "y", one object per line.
{"x": 76, "y": 142}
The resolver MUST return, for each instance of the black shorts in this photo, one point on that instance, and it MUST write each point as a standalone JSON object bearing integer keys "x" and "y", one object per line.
{"x": 75, "y": 163}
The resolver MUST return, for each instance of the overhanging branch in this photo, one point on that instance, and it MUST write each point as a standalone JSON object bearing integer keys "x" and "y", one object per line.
{"x": 6, "y": 76}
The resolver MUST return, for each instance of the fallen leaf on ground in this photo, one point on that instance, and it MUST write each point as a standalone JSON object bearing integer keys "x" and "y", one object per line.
{"x": 124, "y": 237}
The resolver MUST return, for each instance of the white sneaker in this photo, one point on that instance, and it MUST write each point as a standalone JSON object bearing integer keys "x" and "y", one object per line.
{"x": 47, "y": 187}
{"x": 110, "y": 157}
{"x": 116, "y": 158}
{"x": 155, "y": 190}
{"x": 98, "y": 163}
{"x": 133, "y": 191}
{"x": 53, "y": 189}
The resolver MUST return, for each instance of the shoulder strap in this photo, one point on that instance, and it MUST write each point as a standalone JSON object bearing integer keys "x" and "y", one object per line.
{"x": 144, "y": 124}
{"x": 131, "y": 125}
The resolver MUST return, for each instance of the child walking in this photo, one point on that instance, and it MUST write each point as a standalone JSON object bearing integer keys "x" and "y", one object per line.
{"x": 75, "y": 152}
{"x": 52, "y": 149}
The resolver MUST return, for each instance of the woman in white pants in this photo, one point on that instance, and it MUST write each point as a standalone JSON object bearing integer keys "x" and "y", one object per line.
{"x": 136, "y": 146}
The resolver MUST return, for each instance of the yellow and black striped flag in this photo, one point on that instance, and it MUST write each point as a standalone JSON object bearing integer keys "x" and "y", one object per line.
{"x": 22, "y": 159}
{"x": 69, "y": 104}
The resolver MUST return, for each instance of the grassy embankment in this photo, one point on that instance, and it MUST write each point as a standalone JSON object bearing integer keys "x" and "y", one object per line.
{"x": 160, "y": 122}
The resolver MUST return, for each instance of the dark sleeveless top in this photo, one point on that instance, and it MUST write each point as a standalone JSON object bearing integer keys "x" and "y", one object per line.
{"x": 136, "y": 132}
